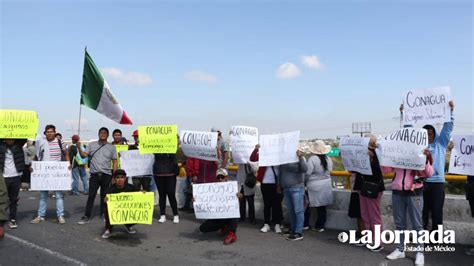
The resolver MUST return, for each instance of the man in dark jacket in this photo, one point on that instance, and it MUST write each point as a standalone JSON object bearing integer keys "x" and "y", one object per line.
{"x": 12, "y": 165}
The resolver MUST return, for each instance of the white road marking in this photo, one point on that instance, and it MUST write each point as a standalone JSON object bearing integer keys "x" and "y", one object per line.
{"x": 45, "y": 250}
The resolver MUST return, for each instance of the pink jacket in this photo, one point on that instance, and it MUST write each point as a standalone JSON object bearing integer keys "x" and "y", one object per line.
{"x": 403, "y": 179}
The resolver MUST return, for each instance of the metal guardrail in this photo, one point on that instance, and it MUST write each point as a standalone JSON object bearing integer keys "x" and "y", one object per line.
{"x": 346, "y": 174}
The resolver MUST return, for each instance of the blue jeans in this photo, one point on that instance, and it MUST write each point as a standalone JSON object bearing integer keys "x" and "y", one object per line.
{"x": 79, "y": 173}
{"x": 413, "y": 205}
{"x": 43, "y": 203}
{"x": 153, "y": 187}
{"x": 294, "y": 200}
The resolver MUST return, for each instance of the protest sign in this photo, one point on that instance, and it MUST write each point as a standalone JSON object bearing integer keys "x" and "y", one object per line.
{"x": 130, "y": 207}
{"x": 242, "y": 141}
{"x": 403, "y": 148}
{"x": 278, "y": 149}
{"x": 462, "y": 155}
{"x": 354, "y": 154}
{"x": 429, "y": 106}
{"x": 50, "y": 175}
{"x": 216, "y": 200}
{"x": 198, "y": 144}
{"x": 158, "y": 139}
{"x": 136, "y": 164}
{"x": 18, "y": 124}
{"x": 118, "y": 149}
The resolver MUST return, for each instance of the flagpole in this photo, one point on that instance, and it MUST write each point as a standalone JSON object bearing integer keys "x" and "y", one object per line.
{"x": 79, "y": 126}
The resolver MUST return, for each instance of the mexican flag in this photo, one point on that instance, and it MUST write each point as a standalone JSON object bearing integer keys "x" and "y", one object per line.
{"x": 96, "y": 94}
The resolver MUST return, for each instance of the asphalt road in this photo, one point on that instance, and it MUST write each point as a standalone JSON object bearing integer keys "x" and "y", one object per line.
{"x": 50, "y": 243}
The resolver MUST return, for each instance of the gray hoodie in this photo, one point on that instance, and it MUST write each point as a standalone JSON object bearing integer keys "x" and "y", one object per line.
{"x": 292, "y": 174}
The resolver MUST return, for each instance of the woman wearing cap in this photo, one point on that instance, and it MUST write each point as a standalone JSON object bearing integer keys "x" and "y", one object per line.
{"x": 318, "y": 183}
{"x": 407, "y": 197}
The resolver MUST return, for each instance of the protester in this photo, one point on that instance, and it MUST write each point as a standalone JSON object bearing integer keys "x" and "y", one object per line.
{"x": 272, "y": 196}
{"x": 30, "y": 152}
{"x": 319, "y": 183}
{"x": 101, "y": 155}
{"x": 371, "y": 191}
{"x": 407, "y": 189}
{"x": 292, "y": 183}
{"x": 470, "y": 198}
{"x": 192, "y": 171}
{"x": 247, "y": 192}
{"x": 12, "y": 165}
{"x": 50, "y": 148}
{"x": 117, "y": 137}
{"x": 228, "y": 227}
{"x": 139, "y": 182}
{"x": 120, "y": 185}
{"x": 207, "y": 169}
{"x": 78, "y": 167}
{"x": 165, "y": 170}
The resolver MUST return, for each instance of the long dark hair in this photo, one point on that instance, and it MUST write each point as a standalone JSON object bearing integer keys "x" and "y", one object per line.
{"x": 324, "y": 161}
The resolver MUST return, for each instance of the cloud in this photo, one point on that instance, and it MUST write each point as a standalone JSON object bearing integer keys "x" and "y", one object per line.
{"x": 128, "y": 78}
{"x": 198, "y": 75}
{"x": 312, "y": 61}
{"x": 288, "y": 71}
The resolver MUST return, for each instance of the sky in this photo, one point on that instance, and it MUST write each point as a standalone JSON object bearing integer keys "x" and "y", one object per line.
{"x": 313, "y": 66}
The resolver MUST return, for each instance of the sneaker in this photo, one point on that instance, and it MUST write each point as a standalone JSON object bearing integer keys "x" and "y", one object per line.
{"x": 305, "y": 227}
{"x": 106, "y": 234}
{"x": 265, "y": 228}
{"x": 12, "y": 224}
{"x": 295, "y": 237}
{"x": 377, "y": 249}
{"x": 277, "y": 229}
{"x": 37, "y": 220}
{"x": 130, "y": 229}
{"x": 176, "y": 219}
{"x": 396, "y": 254}
{"x": 320, "y": 230}
{"x": 84, "y": 220}
{"x": 420, "y": 259}
{"x": 61, "y": 220}
{"x": 470, "y": 252}
{"x": 162, "y": 219}
{"x": 230, "y": 238}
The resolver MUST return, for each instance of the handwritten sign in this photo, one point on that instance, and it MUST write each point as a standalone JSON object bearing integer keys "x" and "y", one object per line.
{"x": 278, "y": 149}
{"x": 158, "y": 139}
{"x": 216, "y": 200}
{"x": 119, "y": 148}
{"x": 429, "y": 106}
{"x": 403, "y": 149}
{"x": 50, "y": 175}
{"x": 130, "y": 207}
{"x": 354, "y": 154}
{"x": 198, "y": 144}
{"x": 18, "y": 124}
{"x": 136, "y": 164}
{"x": 242, "y": 141}
{"x": 462, "y": 155}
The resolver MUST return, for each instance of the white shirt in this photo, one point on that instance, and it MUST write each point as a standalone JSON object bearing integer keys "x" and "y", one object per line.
{"x": 10, "y": 169}
{"x": 269, "y": 177}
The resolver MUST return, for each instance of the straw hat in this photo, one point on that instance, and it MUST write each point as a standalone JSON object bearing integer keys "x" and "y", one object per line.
{"x": 319, "y": 147}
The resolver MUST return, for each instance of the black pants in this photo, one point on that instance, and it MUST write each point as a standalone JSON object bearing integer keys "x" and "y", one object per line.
{"x": 13, "y": 187}
{"x": 95, "y": 181}
{"x": 141, "y": 182}
{"x": 167, "y": 187}
{"x": 272, "y": 208}
{"x": 217, "y": 224}
{"x": 26, "y": 177}
{"x": 433, "y": 202}
{"x": 321, "y": 221}
{"x": 243, "y": 207}
{"x": 188, "y": 193}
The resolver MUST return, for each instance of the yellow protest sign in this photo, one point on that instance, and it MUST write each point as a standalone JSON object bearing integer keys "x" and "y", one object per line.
{"x": 158, "y": 139}
{"x": 18, "y": 124}
{"x": 119, "y": 148}
{"x": 130, "y": 207}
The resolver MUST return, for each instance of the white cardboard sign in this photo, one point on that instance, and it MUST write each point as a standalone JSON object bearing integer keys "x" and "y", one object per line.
{"x": 242, "y": 141}
{"x": 216, "y": 200}
{"x": 278, "y": 149}
{"x": 50, "y": 175}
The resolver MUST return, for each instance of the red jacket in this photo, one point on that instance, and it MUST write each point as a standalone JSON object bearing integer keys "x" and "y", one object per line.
{"x": 261, "y": 170}
{"x": 192, "y": 167}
